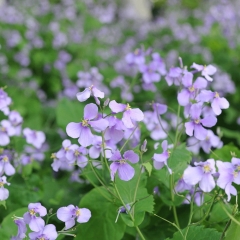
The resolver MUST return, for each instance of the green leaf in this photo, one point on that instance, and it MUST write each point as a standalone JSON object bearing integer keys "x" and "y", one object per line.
{"x": 233, "y": 231}
{"x": 69, "y": 111}
{"x": 148, "y": 167}
{"x": 102, "y": 224}
{"x": 3, "y": 203}
{"x": 226, "y": 153}
{"x": 198, "y": 233}
{"x": 8, "y": 227}
{"x": 179, "y": 160}
{"x": 218, "y": 214}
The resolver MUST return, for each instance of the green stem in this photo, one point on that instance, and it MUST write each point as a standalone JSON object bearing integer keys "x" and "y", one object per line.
{"x": 128, "y": 139}
{"x": 132, "y": 218}
{"x": 172, "y": 197}
{"x": 103, "y": 184}
{"x": 135, "y": 192}
{"x": 160, "y": 122}
{"x": 176, "y": 136}
{"x": 171, "y": 224}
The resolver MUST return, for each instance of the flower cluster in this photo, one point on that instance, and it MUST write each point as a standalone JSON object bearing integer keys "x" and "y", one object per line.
{"x": 12, "y": 127}
{"x": 40, "y": 230}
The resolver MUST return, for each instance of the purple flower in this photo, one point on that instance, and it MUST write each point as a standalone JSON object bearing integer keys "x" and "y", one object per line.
{"x": 149, "y": 74}
{"x": 229, "y": 173}
{"x": 207, "y": 71}
{"x": 160, "y": 65}
{"x": 182, "y": 186}
{"x": 99, "y": 147}
{"x": 174, "y": 76}
{"x": 69, "y": 213}
{"x": 137, "y": 57}
{"x": 210, "y": 141}
{"x": 77, "y": 154}
{"x": 66, "y": 144}
{"x": 195, "y": 124}
{"x": 201, "y": 174}
{"x": 33, "y": 216}
{"x": 190, "y": 89}
{"x": 82, "y": 130}
{"x": 6, "y": 131}
{"x": 153, "y": 125}
{"x": 5, "y": 100}
{"x": 5, "y": 165}
{"x": 16, "y": 121}
{"x": 83, "y": 96}
{"x": 120, "y": 164}
{"x": 115, "y": 130}
{"x": 4, "y": 193}
{"x": 217, "y": 103}
{"x": 22, "y": 229}
{"x": 36, "y": 138}
{"x": 161, "y": 159}
{"x": 47, "y": 232}
{"x": 129, "y": 114}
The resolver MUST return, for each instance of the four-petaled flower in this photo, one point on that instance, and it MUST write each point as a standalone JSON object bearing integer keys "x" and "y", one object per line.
{"x": 129, "y": 114}
{"x": 33, "y": 216}
{"x": 120, "y": 164}
{"x": 202, "y": 173}
{"x": 82, "y": 130}
{"x": 69, "y": 213}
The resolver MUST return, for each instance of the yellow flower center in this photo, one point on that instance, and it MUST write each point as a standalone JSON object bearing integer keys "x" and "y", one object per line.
{"x": 76, "y": 153}
{"x": 235, "y": 174}
{"x": 78, "y": 212}
{"x": 122, "y": 161}
{"x": 90, "y": 88}
{"x": 191, "y": 89}
{"x": 32, "y": 212}
{"x": 216, "y": 95}
{"x": 85, "y": 122}
{"x": 206, "y": 169}
{"x": 53, "y": 155}
{"x": 66, "y": 149}
{"x": 42, "y": 238}
{"x": 1, "y": 184}
{"x": 128, "y": 107}
{"x": 197, "y": 121}
{"x": 169, "y": 152}
{"x": 238, "y": 168}
{"x": 2, "y": 129}
{"x": 5, "y": 159}
{"x": 136, "y": 52}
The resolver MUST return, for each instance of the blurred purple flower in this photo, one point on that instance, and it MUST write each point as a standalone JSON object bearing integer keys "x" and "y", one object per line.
{"x": 22, "y": 229}
{"x": 36, "y": 138}
{"x": 4, "y": 193}
{"x": 206, "y": 71}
